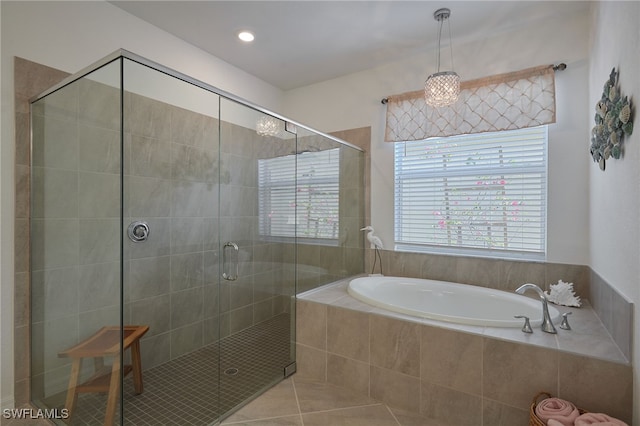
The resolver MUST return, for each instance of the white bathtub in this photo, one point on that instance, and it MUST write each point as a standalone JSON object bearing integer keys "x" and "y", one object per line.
{"x": 451, "y": 302}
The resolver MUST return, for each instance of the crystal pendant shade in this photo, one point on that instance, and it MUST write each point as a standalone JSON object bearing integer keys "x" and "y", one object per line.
{"x": 442, "y": 88}
{"x": 268, "y": 126}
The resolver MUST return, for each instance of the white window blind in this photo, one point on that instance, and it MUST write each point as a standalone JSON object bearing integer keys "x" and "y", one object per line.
{"x": 483, "y": 193}
{"x": 309, "y": 208}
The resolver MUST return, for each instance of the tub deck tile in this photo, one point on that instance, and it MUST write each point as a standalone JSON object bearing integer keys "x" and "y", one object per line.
{"x": 501, "y": 373}
{"x": 588, "y": 336}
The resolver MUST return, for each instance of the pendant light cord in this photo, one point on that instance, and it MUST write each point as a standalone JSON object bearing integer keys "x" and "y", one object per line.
{"x": 439, "y": 38}
{"x": 442, "y": 19}
{"x": 450, "y": 44}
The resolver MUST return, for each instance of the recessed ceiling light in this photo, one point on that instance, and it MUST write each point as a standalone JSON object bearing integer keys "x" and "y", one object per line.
{"x": 246, "y": 36}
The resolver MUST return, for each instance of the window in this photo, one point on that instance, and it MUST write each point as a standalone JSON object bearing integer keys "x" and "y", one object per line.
{"x": 481, "y": 194}
{"x": 311, "y": 207}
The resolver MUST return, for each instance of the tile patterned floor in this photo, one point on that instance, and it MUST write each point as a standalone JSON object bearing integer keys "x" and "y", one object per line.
{"x": 300, "y": 402}
{"x": 185, "y": 391}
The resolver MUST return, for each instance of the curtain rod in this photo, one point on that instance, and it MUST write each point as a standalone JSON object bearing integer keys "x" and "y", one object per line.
{"x": 560, "y": 67}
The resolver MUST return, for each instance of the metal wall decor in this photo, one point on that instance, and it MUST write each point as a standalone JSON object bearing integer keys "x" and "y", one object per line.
{"x": 614, "y": 121}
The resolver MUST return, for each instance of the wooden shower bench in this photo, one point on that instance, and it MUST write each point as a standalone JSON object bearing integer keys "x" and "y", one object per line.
{"x": 105, "y": 343}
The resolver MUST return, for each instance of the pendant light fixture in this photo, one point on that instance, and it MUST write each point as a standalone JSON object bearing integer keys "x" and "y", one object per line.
{"x": 443, "y": 87}
{"x": 268, "y": 126}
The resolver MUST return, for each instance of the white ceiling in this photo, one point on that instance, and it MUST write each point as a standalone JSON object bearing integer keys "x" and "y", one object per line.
{"x": 303, "y": 42}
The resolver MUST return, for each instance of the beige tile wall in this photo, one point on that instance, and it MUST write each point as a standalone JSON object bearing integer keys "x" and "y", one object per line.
{"x": 493, "y": 273}
{"x": 448, "y": 375}
{"x": 29, "y": 80}
{"x": 320, "y": 264}
{"x": 615, "y": 312}
{"x": 75, "y": 228}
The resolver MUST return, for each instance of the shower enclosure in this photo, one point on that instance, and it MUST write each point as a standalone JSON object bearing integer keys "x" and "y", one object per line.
{"x": 155, "y": 202}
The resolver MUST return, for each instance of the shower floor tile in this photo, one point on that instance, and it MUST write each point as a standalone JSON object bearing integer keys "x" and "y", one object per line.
{"x": 185, "y": 391}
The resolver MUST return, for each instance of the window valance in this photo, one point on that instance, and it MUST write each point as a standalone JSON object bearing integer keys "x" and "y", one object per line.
{"x": 508, "y": 101}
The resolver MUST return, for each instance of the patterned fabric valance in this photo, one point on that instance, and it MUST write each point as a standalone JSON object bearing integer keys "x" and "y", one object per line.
{"x": 502, "y": 102}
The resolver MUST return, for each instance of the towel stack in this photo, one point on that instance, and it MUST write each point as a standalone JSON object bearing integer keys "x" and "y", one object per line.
{"x": 558, "y": 412}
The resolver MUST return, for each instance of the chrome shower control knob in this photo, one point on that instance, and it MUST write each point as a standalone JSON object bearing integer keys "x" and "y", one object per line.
{"x": 138, "y": 231}
{"x": 526, "y": 328}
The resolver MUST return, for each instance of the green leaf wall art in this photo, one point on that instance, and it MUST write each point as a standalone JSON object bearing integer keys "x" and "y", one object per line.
{"x": 614, "y": 121}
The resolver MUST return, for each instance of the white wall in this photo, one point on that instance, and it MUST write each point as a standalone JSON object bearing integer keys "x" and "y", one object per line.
{"x": 71, "y": 36}
{"x": 615, "y": 193}
{"x": 354, "y": 101}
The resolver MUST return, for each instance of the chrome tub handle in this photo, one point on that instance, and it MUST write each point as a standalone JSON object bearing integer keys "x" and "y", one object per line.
{"x": 225, "y": 275}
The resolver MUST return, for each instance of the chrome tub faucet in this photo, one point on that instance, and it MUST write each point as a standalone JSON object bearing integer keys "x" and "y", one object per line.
{"x": 547, "y": 325}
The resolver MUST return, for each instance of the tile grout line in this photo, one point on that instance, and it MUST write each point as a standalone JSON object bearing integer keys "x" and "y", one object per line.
{"x": 369, "y": 355}
{"x": 295, "y": 394}
{"x": 420, "y": 368}
{"x": 393, "y": 415}
{"x": 256, "y": 420}
{"x": 482, "y": 399}
{"x": 326, "y": 344}
{"x": 350, "y": 407}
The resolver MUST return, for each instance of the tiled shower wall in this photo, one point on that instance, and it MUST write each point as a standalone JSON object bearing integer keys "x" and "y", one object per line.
{"x": 322, "y": 264}
{"x": 318, "y": 264}
{"x": 173, "y": 286}
{"x": 75, "y": 256}
{"x": 29, "y": 80}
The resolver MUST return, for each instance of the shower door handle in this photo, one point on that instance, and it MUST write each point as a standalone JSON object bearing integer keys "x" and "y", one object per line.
{"x": 225, "y": 275}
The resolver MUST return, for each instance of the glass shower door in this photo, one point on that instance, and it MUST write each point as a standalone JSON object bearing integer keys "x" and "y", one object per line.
{"x": 75, "y": 248}
{"x": 257, "y": 290}
{"x": 163, "y": 249}
{"x": 170, "y": 239}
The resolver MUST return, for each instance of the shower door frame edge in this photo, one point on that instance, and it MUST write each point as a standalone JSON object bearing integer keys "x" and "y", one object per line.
{"x": 123, "y": 53}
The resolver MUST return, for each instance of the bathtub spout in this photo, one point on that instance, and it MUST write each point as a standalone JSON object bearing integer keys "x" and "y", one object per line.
{"x": 547, "y": 324}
